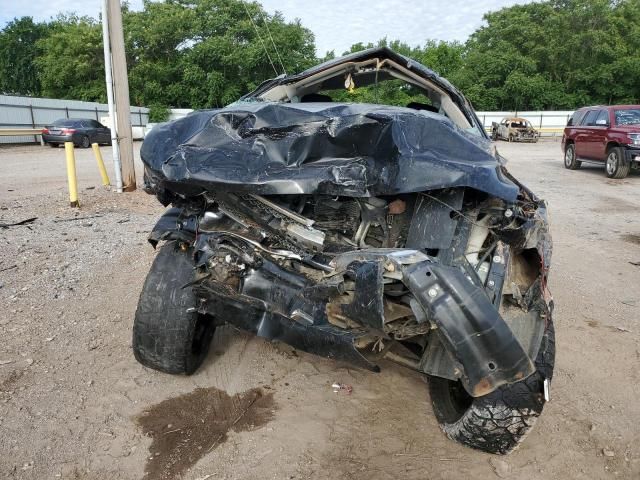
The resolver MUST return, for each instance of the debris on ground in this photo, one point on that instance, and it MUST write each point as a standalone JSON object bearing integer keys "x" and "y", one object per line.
{"x": 337, "y": 387}
{"x": 501, "y": 468}
{"x": 21, "y": 222}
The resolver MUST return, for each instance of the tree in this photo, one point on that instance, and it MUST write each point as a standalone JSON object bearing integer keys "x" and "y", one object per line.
{"x": 207, "y": 53}
{"x": 18, "y": 72}
{"x": 552, "y": 54}
{"x": 70, "y": 60}
{"x": 555, "y": 54}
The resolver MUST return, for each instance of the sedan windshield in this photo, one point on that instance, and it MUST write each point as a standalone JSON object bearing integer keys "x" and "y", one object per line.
{"x": 628, "y": 117}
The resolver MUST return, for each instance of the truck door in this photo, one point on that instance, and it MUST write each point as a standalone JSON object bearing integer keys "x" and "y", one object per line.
{"x": 598, "y": 136}
{"x": 583, "y": 132}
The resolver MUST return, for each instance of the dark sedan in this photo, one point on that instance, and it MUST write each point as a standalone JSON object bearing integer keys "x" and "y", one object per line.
{"x": 81, "y": 131}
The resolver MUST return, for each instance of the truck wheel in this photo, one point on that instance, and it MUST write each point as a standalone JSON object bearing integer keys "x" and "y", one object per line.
{"x": 167, "y": 336}
{"x": 498, "y": 422}
{"x": 570, "y": 160}
{"x": 617, "y": 166}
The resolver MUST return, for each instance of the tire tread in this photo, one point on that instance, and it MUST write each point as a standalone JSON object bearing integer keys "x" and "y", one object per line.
{"x": 498, "y": 422}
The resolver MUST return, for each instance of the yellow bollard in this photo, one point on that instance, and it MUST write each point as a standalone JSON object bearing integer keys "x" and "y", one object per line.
{"x": 71, "y": 174}
{"x": 103, "y": 171}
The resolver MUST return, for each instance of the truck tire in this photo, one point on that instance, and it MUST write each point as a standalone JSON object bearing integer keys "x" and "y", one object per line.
{"x": 167, "y": 335}
{"x": 616, "y": 165}
{"x": 570, "y": 160}
{"x": 498, "y": 422}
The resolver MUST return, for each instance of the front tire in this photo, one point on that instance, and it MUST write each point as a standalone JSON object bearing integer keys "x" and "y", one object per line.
{"x": 570, "y": 161}
{"x": 167, "y": 334}
{"x": 498, "y": 422}
{"x": 616, "y": 165}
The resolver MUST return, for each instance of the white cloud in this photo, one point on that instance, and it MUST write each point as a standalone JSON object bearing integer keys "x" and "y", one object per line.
{"x": 47, "y": 9}
{"x": 337, "y": 24}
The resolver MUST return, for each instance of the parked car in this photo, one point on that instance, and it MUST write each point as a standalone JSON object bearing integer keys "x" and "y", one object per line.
{"x": 608, "y": 135}
{"x": 358, "y": 232}
{"x": 81, "y": 131}
{"x": 514, "y": 129}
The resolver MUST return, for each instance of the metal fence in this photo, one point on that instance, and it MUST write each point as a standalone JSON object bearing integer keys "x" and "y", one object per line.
{"x": 31, "y": 112}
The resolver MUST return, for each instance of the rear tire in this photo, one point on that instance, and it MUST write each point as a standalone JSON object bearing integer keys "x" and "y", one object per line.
{"x": 616, "y": 165}
{"x": 498, "y": 422}
{"x": 570, "y": 161}
{"x": 53, "y": 145}
{"x": 85, "y": 142}
{"x": 166, "y": 335}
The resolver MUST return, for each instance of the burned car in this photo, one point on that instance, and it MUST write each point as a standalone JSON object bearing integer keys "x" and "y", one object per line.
{"x": 514, "y": 129}
{"x": 364, "y": 233}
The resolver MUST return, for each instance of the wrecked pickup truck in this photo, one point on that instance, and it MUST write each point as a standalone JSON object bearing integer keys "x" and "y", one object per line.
{"x": 365, "y": 233}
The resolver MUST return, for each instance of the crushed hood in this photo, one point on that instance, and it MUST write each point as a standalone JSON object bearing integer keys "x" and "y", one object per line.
{"x": 319, "y": 148}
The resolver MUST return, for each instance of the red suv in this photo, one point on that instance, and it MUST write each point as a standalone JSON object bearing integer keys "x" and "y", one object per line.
{"x": 609, "y": 134}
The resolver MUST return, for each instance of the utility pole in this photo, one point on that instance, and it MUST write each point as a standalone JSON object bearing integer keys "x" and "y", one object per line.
{"x": 109, "y": 79}
{"x": 121, "y": 87}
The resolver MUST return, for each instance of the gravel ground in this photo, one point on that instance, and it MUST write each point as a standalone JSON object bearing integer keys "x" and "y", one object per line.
{"x": 75, "y": 404}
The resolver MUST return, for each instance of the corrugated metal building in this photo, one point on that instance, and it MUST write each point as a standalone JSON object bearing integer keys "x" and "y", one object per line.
{"x": 31, "y": 112}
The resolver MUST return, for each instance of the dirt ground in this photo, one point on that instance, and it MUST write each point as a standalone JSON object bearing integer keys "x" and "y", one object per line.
{"x": 75, "y": 404}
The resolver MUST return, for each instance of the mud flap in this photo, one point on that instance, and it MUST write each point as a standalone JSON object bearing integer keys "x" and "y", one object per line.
{"x": 470, "y": 327}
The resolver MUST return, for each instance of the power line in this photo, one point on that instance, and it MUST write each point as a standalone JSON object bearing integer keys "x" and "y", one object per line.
{"x": 261, "y": 41}
{"x": 272, "y": 42}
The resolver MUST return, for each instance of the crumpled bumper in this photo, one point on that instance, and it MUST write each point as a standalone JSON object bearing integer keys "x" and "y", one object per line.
{"x": 278, "y": 304}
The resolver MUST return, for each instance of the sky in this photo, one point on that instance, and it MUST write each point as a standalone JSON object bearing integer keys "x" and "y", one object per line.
{"x": 337, "y": 24}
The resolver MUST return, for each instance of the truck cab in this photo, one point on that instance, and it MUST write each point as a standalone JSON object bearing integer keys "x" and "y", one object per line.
{"x": 608, "y": 135}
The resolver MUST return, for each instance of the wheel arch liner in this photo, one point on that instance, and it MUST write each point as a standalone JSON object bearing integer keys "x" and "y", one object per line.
{"x": 469, "y": 326}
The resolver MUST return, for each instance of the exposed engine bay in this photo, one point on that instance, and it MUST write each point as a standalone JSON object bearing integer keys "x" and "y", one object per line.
{"x": 418, "y": 279}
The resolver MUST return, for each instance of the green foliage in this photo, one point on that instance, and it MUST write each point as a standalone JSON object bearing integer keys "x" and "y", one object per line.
{"x": 182, "y": 53}
{"x": 553, "y": 54}
{"x": 18, "y": 72}
{"x": 207, "y": 53}
{"x": 71, "y": 60}
{"x": 158, "y": 113}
